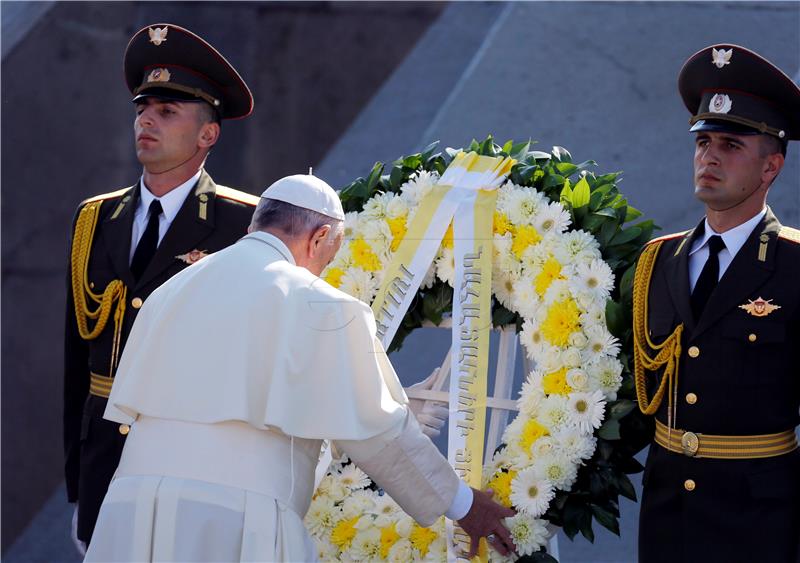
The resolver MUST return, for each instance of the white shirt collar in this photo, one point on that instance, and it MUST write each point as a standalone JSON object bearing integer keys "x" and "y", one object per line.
{"x": 733, "y": 238}
{"x": 275, "y": 243}
{"x": 172, "y": 201}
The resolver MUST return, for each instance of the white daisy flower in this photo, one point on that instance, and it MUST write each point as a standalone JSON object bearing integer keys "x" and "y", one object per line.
{"x": 360, "y": 284}
{"x": 601, "y": 342}
{"x": 366, "y": 546}
{"x": 385, "y": 510}
{"x": 552, "y": 218}
{"x": 530, "y": 493}
{"x": 576, "y": 247}
{"x": 357, "y": 503}
{"x": 556, "y": 292}
{"x": 378, "y": 236}
{"x": 446, "y": 266}
{"x": 595, "y": 279}
{"x": 531, "y": 336}
{"x": 332, "y": 487}
{"x": 556, "y": 468}
{"x": 353, "y": 478}
{"x": 326, "y": 551}
{"x": 503, "y": 286}
{"x": 529, "y": 534}
{"x": 587, "y": 410}
{"x": 430, "y": 277}
{"x": 524, "y": 298}
{"x": 605, "y": 374}
{"x": 322, "y": 516}
{"x": 350, "y": 226}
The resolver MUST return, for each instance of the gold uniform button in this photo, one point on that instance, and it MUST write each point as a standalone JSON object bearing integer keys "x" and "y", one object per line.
{"x": 689, "y": 485}
{"x": 691, "y": 398}
{"x": 752, "y": 337}
{"x": 137, "y": 302}
{"x": 694, "y": 351}
{"x": 124, "y": 429}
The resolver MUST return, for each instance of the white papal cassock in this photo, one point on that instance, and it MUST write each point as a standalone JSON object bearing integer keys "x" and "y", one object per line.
{"x": 234, "y": 372}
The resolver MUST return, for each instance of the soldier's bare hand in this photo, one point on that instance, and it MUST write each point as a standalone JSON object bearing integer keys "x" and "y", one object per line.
{"x": 485, "y": 519}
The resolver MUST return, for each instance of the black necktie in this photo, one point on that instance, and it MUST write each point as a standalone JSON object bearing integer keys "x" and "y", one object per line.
{"x": 708, "y": 277}
{"x": 148, "y": 243}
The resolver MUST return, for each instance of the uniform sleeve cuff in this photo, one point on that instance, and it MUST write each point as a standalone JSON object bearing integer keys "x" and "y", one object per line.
{"x": 462, "y": 502}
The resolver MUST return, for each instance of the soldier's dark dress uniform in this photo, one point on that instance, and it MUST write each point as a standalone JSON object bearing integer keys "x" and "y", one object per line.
{"x": 211, "y": 218}
{"x": 722, "y": 478}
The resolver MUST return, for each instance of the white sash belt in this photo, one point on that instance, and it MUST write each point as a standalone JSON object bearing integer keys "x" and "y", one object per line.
{"x": 229, "y": 453}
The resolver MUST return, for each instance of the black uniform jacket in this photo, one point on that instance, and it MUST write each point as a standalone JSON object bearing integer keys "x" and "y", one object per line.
{"x": 739, "y": 374}
{"x": 211, "y": 218}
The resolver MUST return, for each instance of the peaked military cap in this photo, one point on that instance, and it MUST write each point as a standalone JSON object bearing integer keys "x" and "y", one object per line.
{"x": 730, "y": 88}
{"x": 170, "y": 62}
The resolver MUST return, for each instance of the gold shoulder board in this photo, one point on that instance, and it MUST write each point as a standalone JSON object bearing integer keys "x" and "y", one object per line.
{"x": 789, "y": 233}
{"x": 236, "y": 195}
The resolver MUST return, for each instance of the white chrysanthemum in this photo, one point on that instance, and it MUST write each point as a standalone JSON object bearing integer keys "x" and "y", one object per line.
{"x": 578, "y": 379}
{"x": 587, "y": 410}
{"x": 350, "y": 225}
{"x": 375, "y": 207}
{"x": 554, "y": 412}
{"x": 595, "y": 279}
{"x": 530, "y": 493}
{"x": 576, "y": 445}
{"x": 401, "y": 552}
{"x": 577, "y": 247}
{"x": 357, "y": 503}
{"x": 606, "y": 375}
{"x": 534, "y": 258}
{"x": 378, "y": 236}
{"x": 397, "y": 207}
{"x": 332, "y": 487}
{"x": 552, "y": 218}
{"x": 360, "y": 284}
{"x": 523, "y": 205}
{"x": 529, "y": 534}
{"x": 366, "y": 546}
{"x": 556, "y": 468}
{"x": 353, "y": 478}
{"x": 502, "y": 244}
{"x": 385, "y": 510}
{"x": 524, "y": 299}
{"x": 531, "y": 395}
{"x": 418, "y": 186}
{"x": 322, "y": 516}
{"x": 446, "y": 266}
{"x": 326, "y": 551}
{"x": 593, "y": 316}
{"x": 601, "y": 342}
{"x": 430, "y": 277}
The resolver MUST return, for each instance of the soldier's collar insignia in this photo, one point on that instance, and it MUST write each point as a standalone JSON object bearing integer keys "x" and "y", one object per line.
{"x": 721, "y": 57}
{"x": 158, "y": 75}
{"x": 157, "y": 35}
{"x": 720, "y": 103}
{"x": 759, "y": 307}
{"x": 193, "y": 256}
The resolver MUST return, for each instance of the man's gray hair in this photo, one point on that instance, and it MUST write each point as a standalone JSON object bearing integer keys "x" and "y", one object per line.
{"x": 291, "y": 220}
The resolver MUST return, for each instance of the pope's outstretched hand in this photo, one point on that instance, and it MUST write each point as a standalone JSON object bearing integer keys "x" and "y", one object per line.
{"x": 485, "y": 519}
{"x": 430, "y": 415}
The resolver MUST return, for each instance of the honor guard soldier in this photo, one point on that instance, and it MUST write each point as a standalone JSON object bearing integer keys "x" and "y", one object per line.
{"x": 127, "y": 243}
{"x": 717, "y": 332}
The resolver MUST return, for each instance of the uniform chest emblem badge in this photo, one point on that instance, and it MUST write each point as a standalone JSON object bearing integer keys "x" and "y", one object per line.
{"x": 157, "y": 35}
{"x": 720, "y": 103}
{"x": 759, "y": 307}
{"x": 721, "y": 57}
{"x": 193, "y": 256}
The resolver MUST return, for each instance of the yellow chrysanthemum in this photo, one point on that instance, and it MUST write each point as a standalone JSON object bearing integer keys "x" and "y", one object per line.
{"x": 398, "y": 228}
{"x": 421, "y": 538}
{"x": 563, "y": 318}
{"x": 363, "y": 257}
{"x": 551, "y": 270}
{"x": 531, "y": 432}
{"x": 389, "y": 537}
{"x": 556, "y": 382}
{"x": 334, "y": 276}
{"x": 447, "y": 241}
{"x": 524, "y": 236}
{"x": 501, "y": 223}
{"x": 344, "y": 532}
{"x": 501, "y": 485}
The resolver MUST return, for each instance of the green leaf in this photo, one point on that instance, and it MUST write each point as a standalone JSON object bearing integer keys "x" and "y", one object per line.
{"x": 626, "y": 235}
{"x": 632, "y": 214}
{"x": 625, "y": 486}
{"x": 566, "y": 169}
{"x": 541, "y": 557}
{"x": 374, "y": 176}
{"x": 609, "y": 430}
{"x": 561, "y": 154}
{"x": 619, "y": 409}
{"x": 580, "y": 194}
{"x": 605, "y": 518}
{"x": 615, "y": 317}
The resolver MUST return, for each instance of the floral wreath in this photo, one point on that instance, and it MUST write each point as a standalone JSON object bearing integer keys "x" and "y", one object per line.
{"x": 562, "y": 271}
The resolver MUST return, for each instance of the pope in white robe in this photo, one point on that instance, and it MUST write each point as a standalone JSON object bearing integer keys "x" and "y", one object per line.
{"x": 235, "y": 371}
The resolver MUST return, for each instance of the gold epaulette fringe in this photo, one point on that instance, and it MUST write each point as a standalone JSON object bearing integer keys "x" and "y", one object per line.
{"x": 236, "y": 195}
{"x": 668, "y": 353}
{"x": 81, "y": 291}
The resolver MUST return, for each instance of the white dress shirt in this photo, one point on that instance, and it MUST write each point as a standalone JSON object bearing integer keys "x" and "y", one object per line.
{"x": 171, "y": 203}
{"x": 733, "y": 238}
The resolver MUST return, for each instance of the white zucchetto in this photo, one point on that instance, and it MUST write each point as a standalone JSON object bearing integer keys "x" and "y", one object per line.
{"x": 308, "y": 192}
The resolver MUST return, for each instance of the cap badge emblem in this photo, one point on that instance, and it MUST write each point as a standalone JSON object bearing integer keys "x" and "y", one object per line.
{"x": 759, "y": 307}
{"x": 721, "y": 57}
{"x": 193, "y": 256}
{"x": 157, "y": 35}
{"x": 158, "y": 75}
{"x": 720, "y": 103}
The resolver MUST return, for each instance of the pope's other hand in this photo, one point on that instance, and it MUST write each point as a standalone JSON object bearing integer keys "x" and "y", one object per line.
{"x": 430, "y": 415}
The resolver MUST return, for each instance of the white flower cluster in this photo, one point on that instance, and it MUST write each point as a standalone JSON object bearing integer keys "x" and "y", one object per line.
{"x": 351, "y": 522}
{"x": 557, "y": 281}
